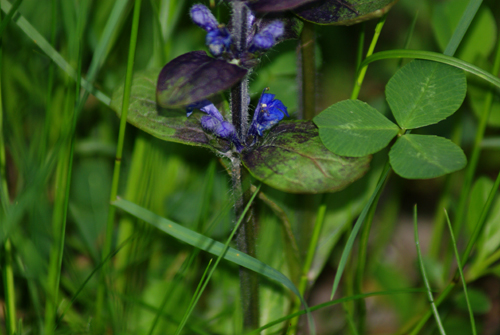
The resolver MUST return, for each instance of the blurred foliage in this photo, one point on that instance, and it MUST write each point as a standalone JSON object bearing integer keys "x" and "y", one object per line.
{"x": 155, "y": 275}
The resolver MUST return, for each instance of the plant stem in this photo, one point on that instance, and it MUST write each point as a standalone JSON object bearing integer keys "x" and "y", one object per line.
{"x": 246, "y": 234}
{"x": 308, "y": 71}
{"x": 118, "y": 158}
{"x": 362, "y": 71}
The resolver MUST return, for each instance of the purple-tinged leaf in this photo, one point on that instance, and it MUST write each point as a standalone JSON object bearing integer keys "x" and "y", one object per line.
{"x": 275, "y": 5}
{"x": 343, "y": 12}
{"x": 293, "y": 159}
{"x": 194, "y": 76}
{"x": 167, "y": 124}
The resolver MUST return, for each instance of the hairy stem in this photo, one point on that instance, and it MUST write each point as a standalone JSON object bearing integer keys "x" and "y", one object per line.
{"x": 246, "y": 233}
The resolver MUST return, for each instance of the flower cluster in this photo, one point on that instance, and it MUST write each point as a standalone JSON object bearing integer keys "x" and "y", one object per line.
{"x": 269, "y": 112}
{"x": 220, "y": 42}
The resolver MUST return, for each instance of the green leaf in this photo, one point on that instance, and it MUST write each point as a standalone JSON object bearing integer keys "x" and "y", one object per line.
{"x": 425, "y": 156}
{"x": 293, "y": 159}
{"x": 166, "y": 124}
{"x": 355, "y": 129}
{"x": 345, "y": 12}
{"x": 423, "y": 93}
{"x": 477, "y": 96}
{"x": 205, "y": 243}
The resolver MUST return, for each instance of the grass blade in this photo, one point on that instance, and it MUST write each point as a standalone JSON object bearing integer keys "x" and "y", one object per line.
{"x": 463, "y": 26}
{"x": 459, "y": 268}
{"x": 424, "y": 275}
{"x": 437, "y": 57}
{"x": 200, "y": 289}
{"x": 9, "y": 16}
{"x": 207, "y": 244}
{"x": 56, "y": 57}
{"x": 334, "y": 302}
{"x": 355, "y": 230}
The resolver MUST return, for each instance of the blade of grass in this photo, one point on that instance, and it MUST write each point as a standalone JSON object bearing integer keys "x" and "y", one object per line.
{"x": 424, "y": 275}
{"x": 465, "y": 257}
{"x": 313, "y": 245}
{"x": 434, "y": 56}
{"x": 357, "y": 226}
{"x": 6, "y": 255}
{"x": 203, "y": 283}
{"x": 61, "y": 207}
{"x": 334, "y": 302}
{"x": 205, "y": 243}
{"x": 462, "y": 27}
{"x": 119, "y": 153}
{"x": 460, "y": 271}
{"x": 8, "y": 17}
{"x": 364, "y": 67}
{"x": 45, "y": 46}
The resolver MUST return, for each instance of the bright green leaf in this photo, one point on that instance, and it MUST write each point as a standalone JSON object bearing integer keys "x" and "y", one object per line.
{"x": 425, "y": 156}
{"x": 423, "y": 93}
{"x": 353, "y": 128}
{"x": 293, "y": 159}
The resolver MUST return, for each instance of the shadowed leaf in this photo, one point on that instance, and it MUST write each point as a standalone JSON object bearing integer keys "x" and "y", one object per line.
{"x": 166, "y": 124}
{"x": 194, "y": 76}
{"x": 293, "y": 159}
{"x": 343, "y": 12}
{"x": 425, "y": 156}
{"x": 276, "y": 6}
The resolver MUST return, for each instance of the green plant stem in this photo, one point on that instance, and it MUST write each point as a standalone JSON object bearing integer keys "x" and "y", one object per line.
{"x": 304, "y": 278}
{"x": 424, "y": 275}
{"x": 118, "y": 158}
{"x": 459, "y": 268}
{"x": 308, "y": 71}
{"x": 476, "y": 150}
{"x": 362, "y": 71}
{"x": 246, "y": 234}
{"x": 9, "y": 16}
{"x": 6, "y": 259}
{"x": 465, "y": 257}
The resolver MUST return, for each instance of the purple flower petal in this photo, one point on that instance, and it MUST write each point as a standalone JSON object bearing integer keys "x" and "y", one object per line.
{"x": 209, "y": 123}
{"x": 269, "y": 112}
{"x": 218, "y": 41}
{"x": 212, "y": 111}
{"x": 266, "y": 38}
{"x": 203, "y": 17}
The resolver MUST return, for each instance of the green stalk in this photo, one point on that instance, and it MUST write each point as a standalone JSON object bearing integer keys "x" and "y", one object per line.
{"x": 308, "y": 73}
{"x": 246, "y": 234}
{"x": 362, "y": 71}
{"x": 6, "y": 261}
{"x": 476, "y": 151}
{"x": 465, "y": 257}
{"x": 118, "y": 158}
{"x": 62, "y": 203}
{"x": 424, "y": 275}
{"x": 313, "y": 245}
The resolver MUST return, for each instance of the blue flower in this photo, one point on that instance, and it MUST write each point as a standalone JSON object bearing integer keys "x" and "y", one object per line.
{"x": 269, "y": 112}
{"x": 220, "y": 43}
{"x": 266, "y": 38}
{"x": 214, "y": 122}
{"x": 218, "y": 38}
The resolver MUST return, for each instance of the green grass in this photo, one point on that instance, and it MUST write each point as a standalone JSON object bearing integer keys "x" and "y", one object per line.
{"x": 110, "y": 231}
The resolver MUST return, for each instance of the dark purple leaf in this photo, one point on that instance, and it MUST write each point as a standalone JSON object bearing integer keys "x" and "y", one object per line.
{"x": 343, "y": 12}
{"x": 276, "y": 5}
{"x": 167, "y": 124}
{"x": 293, "y": 159}
{"x": 194, "y": 76}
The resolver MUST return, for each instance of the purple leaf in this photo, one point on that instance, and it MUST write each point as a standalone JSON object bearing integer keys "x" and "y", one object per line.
{"x": 193, "y": 77}
{"x": 276, "y": 6}
{"x": 343, "y": 12}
